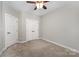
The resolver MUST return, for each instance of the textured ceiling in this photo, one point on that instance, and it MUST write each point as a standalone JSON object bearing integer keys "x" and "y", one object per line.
{"x": 23, "y": 6}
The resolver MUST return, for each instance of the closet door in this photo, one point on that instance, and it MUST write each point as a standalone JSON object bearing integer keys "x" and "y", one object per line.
{"x": 32, "y": 29}
{"x": 11, "y": 29}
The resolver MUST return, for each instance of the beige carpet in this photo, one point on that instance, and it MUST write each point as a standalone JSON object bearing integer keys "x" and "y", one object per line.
{"x": 37, "y": 48}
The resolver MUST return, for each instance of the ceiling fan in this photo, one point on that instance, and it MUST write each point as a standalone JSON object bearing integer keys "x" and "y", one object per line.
{"x": 39, "y": 4}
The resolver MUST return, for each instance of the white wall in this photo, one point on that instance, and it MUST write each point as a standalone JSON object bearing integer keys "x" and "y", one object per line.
{"x": 22, "y": 24}
{"x": 1, "y": 28}
{"x": 62, "y": 26}
{"x": 8, "y": 9}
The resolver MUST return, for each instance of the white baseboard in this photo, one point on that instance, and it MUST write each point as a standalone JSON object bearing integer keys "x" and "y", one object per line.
{"x": 21, "y": 41}
{"x": 24, "y": 41}
{"x": 12, "y": 44}
{"x": 72, "y": 49}
{"x": 48, "y": 41}
{"x": 6, "y": 47}
{"x": 2, "y": 50}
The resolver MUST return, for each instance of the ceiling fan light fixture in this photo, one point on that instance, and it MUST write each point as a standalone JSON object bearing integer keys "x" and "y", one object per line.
{"x": 39, "y": 4}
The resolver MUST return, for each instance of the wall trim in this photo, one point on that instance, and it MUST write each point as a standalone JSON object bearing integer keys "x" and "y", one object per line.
{"x": 11, "y": 45}
{"x": 2, "y": 51}
{"x": 72, "y": 49}
{"x": 21, "y": 41}
{"x": 6, "y": 48}
{"x": 24, "y": 41}
{"x": 67, "y": 47}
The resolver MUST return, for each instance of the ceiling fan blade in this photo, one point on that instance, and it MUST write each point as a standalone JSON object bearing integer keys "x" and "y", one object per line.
{"x": 44, "y": 7}
{"x": 35, "y": 8}
{"x": 30, "y": 2}
{"x": 45, "y": 1}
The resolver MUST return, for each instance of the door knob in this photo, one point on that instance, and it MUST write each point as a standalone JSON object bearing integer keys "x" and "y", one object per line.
{"x": 8, "y": 32}
{"x": 33, "y": 31}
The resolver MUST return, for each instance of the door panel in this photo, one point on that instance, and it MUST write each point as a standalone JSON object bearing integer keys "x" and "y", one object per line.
{"x": 35, "y": 29}
{"x": 11, "y": 28}
{"x": 32, "y": 27}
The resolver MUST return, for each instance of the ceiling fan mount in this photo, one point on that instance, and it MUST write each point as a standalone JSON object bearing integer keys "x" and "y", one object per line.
{"x": 39, "y": 4}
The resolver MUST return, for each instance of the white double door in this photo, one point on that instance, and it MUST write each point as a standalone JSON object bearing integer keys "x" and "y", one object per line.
{"x": 11, "y": 29}
{"x": 32, "y": 29}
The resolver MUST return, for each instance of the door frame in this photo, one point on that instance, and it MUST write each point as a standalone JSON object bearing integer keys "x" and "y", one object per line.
{"x": 31, "y": 31}
{"x": 6, "y": 31}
